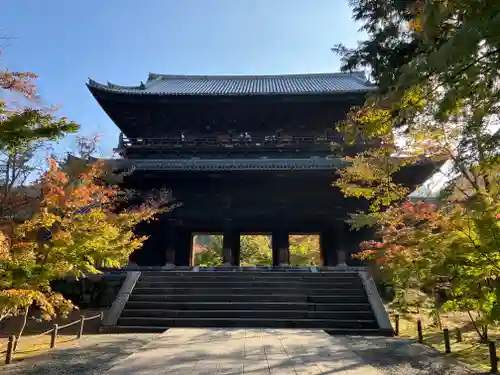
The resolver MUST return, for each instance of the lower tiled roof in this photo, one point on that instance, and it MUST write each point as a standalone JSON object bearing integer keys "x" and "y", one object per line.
{"x": 230, "y": 164}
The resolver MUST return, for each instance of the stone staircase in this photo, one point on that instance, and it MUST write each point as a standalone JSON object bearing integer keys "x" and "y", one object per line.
{"x": 334, "y": 301}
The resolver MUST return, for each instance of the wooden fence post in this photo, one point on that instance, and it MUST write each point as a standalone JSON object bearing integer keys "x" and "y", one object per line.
{"x": 459, "y": 335}
{"x": 82, "y": 323}
{"x": 396, "y": 324}
{"x": 419, "y": 331}
{"x": 493, "y": 357}
{"x": 10, "y": 350}
{"x": 53, "y": 338}
{"x": 446, "y": 334}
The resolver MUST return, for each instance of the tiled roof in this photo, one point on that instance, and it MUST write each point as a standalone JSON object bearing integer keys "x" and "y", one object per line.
{"x": 231, "y": 164}
{"x": 321, "y": 83}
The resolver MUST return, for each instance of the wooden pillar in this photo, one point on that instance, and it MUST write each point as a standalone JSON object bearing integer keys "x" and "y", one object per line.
{"x": 328, "y": 247}
{"x": 170, "y": 242}
{"x": 230, "y": 245}
{"x": 236, "y": 247}
{"x": 184, "y": 247}
{"x": 227, "y": 246}
{"x": 280, "y": 248}
{"x": 342, "y": 243}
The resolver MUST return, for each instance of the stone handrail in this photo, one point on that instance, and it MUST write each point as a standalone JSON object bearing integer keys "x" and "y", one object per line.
{"x": 112, "y": 315}
{"x": 381, "y": 316}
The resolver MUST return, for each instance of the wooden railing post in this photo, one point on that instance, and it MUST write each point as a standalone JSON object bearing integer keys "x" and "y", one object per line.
{"x": 419, "y": 331}
{"x": 447, "y": 347}
{"x": 396, "y": 324}
{"x": 493, "y": 357}
{"x": 102, "y": 315}
{"x": 82, "y": 323}
{"x": 459, "y": 335}
{"x": 10, "y": 349}
{"x": 53, "y": 338}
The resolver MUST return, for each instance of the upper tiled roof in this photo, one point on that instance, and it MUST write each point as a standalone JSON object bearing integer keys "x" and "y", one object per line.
{"x": 321, "y": 83}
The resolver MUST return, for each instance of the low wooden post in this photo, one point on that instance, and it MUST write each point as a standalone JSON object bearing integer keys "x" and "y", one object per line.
{"x": 419, "y": 331}
{"x": 53, "y": 338}
{"x": 493, "y": 357}
{"x": 10, "y": 349}
{"x": 446, "y": 334}
{"x": 82, "y": 323}
{"x": 396, "y": 324}
{"x": 459, "y": 335}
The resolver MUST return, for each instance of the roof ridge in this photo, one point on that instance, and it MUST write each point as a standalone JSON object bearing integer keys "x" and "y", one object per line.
{"x": 157, "y": 76}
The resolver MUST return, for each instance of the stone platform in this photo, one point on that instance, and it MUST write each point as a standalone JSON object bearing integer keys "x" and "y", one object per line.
{"x": 244, "y": 351}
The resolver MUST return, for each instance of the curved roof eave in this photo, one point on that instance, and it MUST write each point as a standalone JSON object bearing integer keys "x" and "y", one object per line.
{"x": 242, "y": 85}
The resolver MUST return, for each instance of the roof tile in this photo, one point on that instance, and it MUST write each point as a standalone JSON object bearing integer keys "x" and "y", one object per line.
{"x": 244, "y": 85}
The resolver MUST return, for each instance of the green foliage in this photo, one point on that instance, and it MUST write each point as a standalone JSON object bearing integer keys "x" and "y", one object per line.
{"x": 209, "y": 254}
{"x": 20, "y": 126}
{"x": 256, "y": 250}
{"x": 304, "y": 250}
{"x": 437, "y": 65}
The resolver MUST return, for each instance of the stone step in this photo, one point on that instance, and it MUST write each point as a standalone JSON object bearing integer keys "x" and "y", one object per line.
{"x": 250, "y": 275}
{"x": 259, "y": 291}
{"x": 247, "y": 314}
{"x": 330, "y": 331}
{"x": 333, "y": 301}
{"x": 200, "y": 306}
{"x": 228, "y": 298}
{"x": 309, "y": 284}
{"x": 248, "y": 280}
{"x": 248, "y": 323}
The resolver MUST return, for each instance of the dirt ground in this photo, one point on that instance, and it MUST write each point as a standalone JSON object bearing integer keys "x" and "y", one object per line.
{"x": 469, "y": 351}
{"x": 32, "y": 343}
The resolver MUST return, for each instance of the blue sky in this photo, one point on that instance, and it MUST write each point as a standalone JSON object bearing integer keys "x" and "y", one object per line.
{"x": 121, "y": 41}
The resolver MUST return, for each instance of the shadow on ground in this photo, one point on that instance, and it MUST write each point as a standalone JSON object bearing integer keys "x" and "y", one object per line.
{"x": 394, "y": 355}
{"x": 230, "y": 352}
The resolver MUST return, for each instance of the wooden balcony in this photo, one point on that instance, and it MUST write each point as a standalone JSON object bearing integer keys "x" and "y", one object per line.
{"x": 227, "y": 144}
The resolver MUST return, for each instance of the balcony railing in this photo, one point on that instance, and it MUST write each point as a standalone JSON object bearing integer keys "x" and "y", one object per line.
{"x": 228, "y": 142}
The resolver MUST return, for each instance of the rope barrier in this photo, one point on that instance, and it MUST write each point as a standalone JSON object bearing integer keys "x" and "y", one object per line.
{"x": 93, "y": 317}
{"x": 53, "y": 331}
{"x": 69, "y": 324}
{"x": 42, "y": 334}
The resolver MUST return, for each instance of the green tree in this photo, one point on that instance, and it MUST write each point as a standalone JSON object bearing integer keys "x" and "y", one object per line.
{"x": 256, "y": 250}
{"x": 209, "y": 254}
{"x": 438, "y": 99}
{"x": 20, "y": 125}
{"x": 304, "y": 250}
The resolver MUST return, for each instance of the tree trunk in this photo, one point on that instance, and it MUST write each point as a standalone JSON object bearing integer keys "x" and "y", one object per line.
{"x": 21, "y": 330}
{"x": 484, "y": 328}
{"x": 479, "y": 332}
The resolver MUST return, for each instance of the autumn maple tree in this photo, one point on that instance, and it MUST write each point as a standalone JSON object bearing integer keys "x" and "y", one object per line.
{"x": 82, "y": 224}
{"x": 26, "y": 127}
{"x": 78, "y": 220}
{"x": 436, "y": 66}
